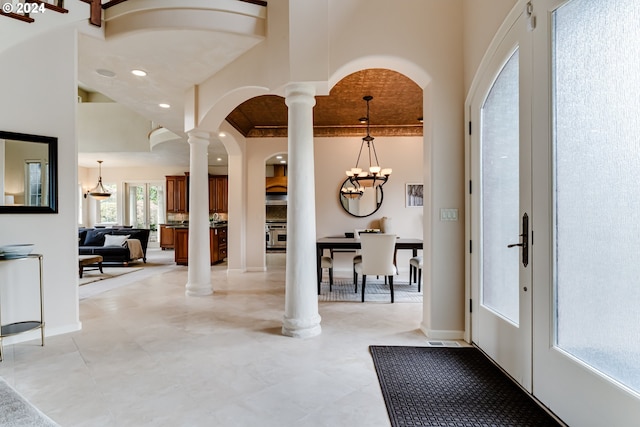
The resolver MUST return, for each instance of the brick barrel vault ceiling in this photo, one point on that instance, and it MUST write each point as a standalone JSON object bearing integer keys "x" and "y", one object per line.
{"x": 394, "y": 110}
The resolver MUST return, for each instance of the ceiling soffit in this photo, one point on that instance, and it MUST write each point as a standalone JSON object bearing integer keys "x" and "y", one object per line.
{"x": 394, "y": 111}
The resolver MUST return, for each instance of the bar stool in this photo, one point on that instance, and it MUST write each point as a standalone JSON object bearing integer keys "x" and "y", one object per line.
{"x": 415, "y": 269}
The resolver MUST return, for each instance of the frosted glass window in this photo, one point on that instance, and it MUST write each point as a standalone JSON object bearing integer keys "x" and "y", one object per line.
{"x": 596, "y": 77}
{"x": 500, "y": 194}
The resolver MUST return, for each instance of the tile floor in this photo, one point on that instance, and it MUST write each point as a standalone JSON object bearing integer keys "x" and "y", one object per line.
{"x": 150, "y": 356}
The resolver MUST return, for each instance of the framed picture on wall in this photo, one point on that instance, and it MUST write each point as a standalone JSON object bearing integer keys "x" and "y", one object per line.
{"x": 413, "y": 196}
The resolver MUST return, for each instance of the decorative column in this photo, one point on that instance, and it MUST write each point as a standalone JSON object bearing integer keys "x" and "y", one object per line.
{"x": 301, "y": 318}
{"x": 199, "y": 270}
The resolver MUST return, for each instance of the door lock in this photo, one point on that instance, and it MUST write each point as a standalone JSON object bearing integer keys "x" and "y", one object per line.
{"x": 524, "y": 243}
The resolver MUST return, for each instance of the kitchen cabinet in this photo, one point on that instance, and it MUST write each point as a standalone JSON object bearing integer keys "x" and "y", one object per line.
{"x": 177, "y": 194}
{"x": 181, "y": 242}
{"x": 166, "y": 237}
{"x": 218, "y": 194}
{"x": 217, "y": 245}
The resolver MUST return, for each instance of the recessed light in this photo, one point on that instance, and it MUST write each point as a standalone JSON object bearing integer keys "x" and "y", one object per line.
{"x": 163, "y": 105}
{"x": 219, "y": 159}
{"x": 278, "y": 157}
{"x": 139, "y": 73}
{"x": 105, "y": 73}
{"x": 283, "y": 161}
{"x": 222, "y": 134}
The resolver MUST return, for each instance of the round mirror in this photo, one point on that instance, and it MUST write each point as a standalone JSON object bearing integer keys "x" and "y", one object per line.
{"x": 362, "y": 206}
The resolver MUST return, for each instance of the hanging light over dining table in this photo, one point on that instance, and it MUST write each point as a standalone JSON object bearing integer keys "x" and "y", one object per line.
{"x": 375, "y": 176}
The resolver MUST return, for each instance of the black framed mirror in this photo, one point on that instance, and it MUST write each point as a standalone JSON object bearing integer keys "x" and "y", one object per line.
{"x": 28, "y": 173}
{"x": 363, "y": 206}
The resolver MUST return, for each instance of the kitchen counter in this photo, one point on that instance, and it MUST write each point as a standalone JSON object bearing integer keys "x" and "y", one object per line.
{"x": 219, "y": 225}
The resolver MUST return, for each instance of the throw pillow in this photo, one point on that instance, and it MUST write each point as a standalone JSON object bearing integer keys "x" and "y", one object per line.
{"x": 113, "y": 240}
{"x": 94, "y": 238}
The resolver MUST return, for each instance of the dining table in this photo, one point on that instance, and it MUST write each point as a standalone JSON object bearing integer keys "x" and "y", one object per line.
{"x": 342, "y": 243}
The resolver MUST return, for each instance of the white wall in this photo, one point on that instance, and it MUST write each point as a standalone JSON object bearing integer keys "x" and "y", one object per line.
{"x": 97, "y": 132}
{"x": 333, "y": 156}
{"x": 39, "y": 97}
{"x": 481, "y": 22}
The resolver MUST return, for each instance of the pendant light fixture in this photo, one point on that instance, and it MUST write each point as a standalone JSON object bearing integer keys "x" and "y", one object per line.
{"x": 375, "y": 176}
{"x": 98, "y": 192}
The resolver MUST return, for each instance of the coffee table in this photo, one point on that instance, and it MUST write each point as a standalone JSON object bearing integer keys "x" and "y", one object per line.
{"x": 86, "y": 260}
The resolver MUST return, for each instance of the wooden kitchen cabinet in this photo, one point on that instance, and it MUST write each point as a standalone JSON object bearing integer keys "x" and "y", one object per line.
{"x": 217, "y": 245}
{"x": 219, "y": 236}
{"x": 181, "y": 250}
{"x": 177, "y": 194}
{"x": 166, "y": 237}
{"x": 218, "y": 194}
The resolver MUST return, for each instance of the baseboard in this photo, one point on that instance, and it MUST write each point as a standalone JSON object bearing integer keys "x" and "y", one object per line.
{"x": 442, "y": 334}
{"x": 256, "y": 269}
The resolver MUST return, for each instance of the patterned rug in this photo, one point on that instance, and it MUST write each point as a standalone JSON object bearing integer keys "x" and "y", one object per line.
{"x": 16, "y": 411}
{"x": 427, "y": 386}
{"x": 375, "y": 291}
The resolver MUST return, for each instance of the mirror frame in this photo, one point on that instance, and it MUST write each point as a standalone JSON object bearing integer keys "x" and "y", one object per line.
{"x": 52, "y": 144}
{"x": 352, "y": 214}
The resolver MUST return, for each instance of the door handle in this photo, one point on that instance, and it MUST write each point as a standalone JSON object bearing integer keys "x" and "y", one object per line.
{"x": 524, "y": 243}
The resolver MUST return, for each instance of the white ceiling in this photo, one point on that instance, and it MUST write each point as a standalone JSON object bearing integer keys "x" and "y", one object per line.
{"x": 175, "y": 61}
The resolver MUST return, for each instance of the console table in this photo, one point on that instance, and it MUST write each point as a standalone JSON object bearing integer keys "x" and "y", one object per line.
{"x": 27, "y": 325}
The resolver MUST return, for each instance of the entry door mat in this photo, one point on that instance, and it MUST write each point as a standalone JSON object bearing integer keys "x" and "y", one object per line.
{"x": 375, "y": 291}
{"x": 434, "y": 386}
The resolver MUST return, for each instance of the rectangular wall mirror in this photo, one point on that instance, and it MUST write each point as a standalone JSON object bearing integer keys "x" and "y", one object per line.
{"x": 28, "y": 173}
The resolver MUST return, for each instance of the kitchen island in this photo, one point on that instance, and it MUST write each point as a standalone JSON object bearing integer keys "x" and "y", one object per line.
{"x": 217, "y": 243}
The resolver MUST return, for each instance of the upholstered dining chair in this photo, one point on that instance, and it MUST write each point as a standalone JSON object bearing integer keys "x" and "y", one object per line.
{"x": 415, "y": 270}
{"x": 377, "y": 258}
{"x": 327, "y": 262}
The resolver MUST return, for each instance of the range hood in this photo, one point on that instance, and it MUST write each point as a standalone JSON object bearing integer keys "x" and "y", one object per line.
{"x": 276, "y": 199}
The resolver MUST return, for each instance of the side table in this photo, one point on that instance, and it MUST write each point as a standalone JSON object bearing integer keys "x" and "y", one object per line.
{"x": 27, "y": 325}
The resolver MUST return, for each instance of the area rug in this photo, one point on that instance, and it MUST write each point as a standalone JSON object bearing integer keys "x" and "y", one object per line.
{"x": 427, "y": 386}
{"x": 90, "y": 276}
{"x": 375, "y": 291}
{"x": 16, "y": 411}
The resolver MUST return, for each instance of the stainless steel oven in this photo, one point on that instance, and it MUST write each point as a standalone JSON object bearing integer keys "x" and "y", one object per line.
{"x": 276, "y": 235}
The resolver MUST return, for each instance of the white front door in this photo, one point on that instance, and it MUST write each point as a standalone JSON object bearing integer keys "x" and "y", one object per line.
{"x": 587, "y": 160}
{"x": 501, "y": 207}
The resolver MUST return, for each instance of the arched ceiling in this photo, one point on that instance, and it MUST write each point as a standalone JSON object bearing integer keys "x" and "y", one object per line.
{"x": 395, "y": 109}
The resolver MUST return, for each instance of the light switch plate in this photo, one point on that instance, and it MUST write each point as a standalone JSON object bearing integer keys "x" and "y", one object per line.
{"x": 448, "y": 214}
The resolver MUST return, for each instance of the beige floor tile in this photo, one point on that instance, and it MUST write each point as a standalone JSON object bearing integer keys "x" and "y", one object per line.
{"x": 150, "y": 356}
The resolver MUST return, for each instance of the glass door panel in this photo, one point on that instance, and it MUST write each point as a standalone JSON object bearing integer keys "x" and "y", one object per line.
{"x": 500, "y": 194}
{"x": 597, "y": 163}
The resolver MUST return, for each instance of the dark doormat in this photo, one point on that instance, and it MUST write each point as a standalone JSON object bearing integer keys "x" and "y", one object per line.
{"x": 431, "y": 386}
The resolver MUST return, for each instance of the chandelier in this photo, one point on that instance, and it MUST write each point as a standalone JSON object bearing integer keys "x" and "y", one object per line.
{"x": 98, "y": 192}
{"x": 375, "y": 176}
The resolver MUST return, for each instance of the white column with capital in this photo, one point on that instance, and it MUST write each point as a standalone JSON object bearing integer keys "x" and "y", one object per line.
{"x": 199, "y": 270}
{"x": 301, "y": 318}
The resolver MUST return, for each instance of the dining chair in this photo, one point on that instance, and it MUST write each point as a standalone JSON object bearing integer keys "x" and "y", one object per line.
{"x": 327, "y": 262}
{"x": 415, "y": 270}
{"x": 377, "y": 258}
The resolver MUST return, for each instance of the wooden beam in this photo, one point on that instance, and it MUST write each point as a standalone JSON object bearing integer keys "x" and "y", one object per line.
{"x": 48, "y": 6}
{"x": 95, "y": 14}
{"x": 258, "y": 2}
{"x": 112, "y": 3}
{"x": 17, "y": 16}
